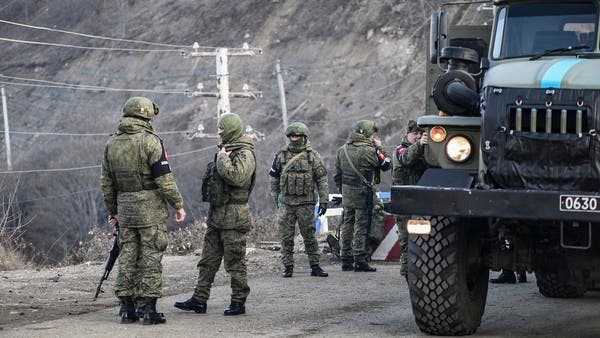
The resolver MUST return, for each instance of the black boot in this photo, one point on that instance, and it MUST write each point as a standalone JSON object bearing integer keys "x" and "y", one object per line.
{"x": 506, "y": 277}
{"x": 140, "y": 310}
{"x": 192, "y": 304}
{"x": 140, "y": 306}
{"x": 316, "y": 271}
{"x": 121, "y": 307}
{"x": 363, "y": 267}
{"x": 152, "y": 317}
{"x": 288, "y": 271}
{"x": 347, "y": 266}
{"x": 128, "y": 315}
{"x": 522, "y": 277}
{"x": 235, "y": 308}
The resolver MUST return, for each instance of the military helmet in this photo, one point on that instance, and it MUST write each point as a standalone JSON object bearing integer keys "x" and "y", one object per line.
{"x": 365, "y": 127}
{"x": 140, "y": 107}
{"x": 297, "y": 128}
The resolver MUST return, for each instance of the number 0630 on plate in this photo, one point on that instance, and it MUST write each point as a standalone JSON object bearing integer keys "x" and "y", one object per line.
{"x": 579, "y": 203}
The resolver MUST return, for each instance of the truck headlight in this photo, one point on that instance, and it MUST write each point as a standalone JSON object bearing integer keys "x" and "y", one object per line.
{"x": 459, "y": 149}
{"x": 437, "y": 134}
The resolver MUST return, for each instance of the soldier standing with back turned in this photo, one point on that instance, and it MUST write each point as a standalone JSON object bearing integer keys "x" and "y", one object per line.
{"x": 137, "y": 185}
{"x": 226, "y": 185}
{"x": 357, "y": 169}
{"x": 297, "y": 169}
{"x": 409, "y": 165}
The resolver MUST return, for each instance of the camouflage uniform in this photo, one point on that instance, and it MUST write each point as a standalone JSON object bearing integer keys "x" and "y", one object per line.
{"x": 297, "y": 169}
{"x": 369, "y": 160}
{"x": 409, "y": 165}
{"x": 137, "y": 185}
{"x": 226, "y": 186}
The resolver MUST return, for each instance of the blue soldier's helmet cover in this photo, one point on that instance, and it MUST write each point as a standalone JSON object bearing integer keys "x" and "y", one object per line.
{"x": 232, "y": 127}
{"x": 365, "y": 127}
{"x": 141, "y": 107}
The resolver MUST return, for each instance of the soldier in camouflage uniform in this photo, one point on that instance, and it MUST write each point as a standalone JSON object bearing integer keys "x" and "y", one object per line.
{"x": 409, "y": 165}
{"x": 357, "y": 168}
{"x": 137, "y": 185}
{"x": 226, "y": 185}
{"x": 297, "y": 169}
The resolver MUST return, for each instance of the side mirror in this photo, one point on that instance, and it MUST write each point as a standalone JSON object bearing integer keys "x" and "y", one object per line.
{"x": 438, "y": 35}
{"x": 484, "y": 64}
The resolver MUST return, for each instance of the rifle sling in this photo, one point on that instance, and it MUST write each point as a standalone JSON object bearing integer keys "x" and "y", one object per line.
{"x": 292, "y": 160}
{"x": 356, "y": 171}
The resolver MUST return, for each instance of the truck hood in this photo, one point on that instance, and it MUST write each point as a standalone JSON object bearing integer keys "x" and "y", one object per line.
{"x": 571, "y": 73}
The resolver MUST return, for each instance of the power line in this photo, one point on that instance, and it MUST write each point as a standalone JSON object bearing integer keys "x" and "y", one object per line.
{"x": 48, "y": 170}
{"x": 88, "y": 190}
{"x": 12, "y": 2}
{"x": 58, "y": 195}
{"x": 65, "y": 83}
{"x": 92, "y": 166}
{"x": 90, "y": 134}
{"x": 95, "y": 88}
{"x": 195, "y": 46}
{"x": 89, "y": 47}
{"x": 93, "y": 36}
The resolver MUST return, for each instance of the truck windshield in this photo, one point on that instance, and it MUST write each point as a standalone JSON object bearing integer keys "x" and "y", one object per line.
{"x": 528, "y": 29}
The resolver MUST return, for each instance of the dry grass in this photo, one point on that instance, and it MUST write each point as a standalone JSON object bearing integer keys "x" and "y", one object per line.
{"x": 11, "y": 259}
{"x": 182, "y": 241}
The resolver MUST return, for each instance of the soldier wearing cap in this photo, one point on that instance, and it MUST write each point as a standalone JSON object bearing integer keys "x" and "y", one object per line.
{"x": 357, "y": 169}
{"x": 296, "y": 173}
{"x": 409, "y": 165}
{"x": 137, "y": 185}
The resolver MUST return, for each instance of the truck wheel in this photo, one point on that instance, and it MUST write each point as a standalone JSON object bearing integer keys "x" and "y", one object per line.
{"x": 447, "y": 278}
{"x": 553, "y": 284}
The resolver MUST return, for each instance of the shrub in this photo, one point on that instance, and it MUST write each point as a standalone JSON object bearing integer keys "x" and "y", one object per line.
{"x": 182, "y": 241}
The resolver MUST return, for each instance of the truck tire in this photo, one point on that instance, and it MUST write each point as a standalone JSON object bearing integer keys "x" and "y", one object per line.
{"x": 447, "y": 278}
{"x": 553, "y": 284}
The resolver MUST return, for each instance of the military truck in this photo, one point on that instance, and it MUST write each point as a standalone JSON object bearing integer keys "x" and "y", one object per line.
{"x": 513, "y": 114}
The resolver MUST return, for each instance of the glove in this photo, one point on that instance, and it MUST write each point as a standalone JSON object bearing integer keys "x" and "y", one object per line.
{"x": 424, "y": 139}
{"x": 322, "y": 209}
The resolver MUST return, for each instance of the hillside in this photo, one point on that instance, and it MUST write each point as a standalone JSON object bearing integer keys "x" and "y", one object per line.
{"x": 342, "y": 61}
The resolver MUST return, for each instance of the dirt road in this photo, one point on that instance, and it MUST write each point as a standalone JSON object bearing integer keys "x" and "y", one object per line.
{"x": 345, "y": 304}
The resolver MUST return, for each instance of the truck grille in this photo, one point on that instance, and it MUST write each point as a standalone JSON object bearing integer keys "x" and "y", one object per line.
{"x": 548, "y": 120}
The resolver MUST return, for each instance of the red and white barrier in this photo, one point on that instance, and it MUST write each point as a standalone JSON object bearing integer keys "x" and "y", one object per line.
{"x": 388, "y": 249}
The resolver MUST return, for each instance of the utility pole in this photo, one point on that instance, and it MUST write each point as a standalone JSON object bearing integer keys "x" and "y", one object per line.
{"x": 223, "y": 93}
{"x": 281, "y": 96}
{"x": 6, "y": 130}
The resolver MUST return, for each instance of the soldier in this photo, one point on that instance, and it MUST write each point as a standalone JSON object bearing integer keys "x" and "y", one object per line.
{"x": 409, "y": 165}
{"x": 226, "y": 185}
{"x": 295, "y": 172}
{"x": 357, "y": 168}
{"x": 137, "y": 185}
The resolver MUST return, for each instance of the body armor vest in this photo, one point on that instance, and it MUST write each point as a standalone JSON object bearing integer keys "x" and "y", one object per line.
{"x": 128, "y": 164}
{"x": 297, "y": 176}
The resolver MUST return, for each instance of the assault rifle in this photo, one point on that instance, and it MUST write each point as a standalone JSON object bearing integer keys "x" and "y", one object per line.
{"x": 112, "y": 258}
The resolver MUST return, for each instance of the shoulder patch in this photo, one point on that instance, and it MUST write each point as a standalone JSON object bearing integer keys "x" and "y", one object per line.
{"x": 400, "y": 150}
{"x": 320, "y": 171}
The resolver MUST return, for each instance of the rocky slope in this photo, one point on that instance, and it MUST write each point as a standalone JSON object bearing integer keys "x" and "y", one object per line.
{"x": 342, "y": 60}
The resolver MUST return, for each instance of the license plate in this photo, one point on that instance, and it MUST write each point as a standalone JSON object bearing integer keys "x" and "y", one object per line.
{"x": 580, "y": 203}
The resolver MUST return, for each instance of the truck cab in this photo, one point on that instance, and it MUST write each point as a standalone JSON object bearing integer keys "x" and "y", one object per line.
{"x": 513, "y": 113}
